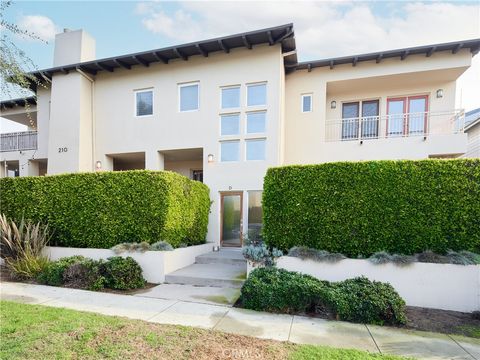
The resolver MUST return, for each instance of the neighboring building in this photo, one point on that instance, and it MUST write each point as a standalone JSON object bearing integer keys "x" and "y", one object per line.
{"x": 472, "y": 128}
{"x": 225, "y": 110}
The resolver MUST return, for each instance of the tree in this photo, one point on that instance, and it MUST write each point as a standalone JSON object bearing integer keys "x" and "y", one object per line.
{"x": 15, "y": 66}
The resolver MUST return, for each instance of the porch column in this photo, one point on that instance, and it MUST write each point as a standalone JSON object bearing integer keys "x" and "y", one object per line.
{"x": 3, "y": 171}
{"x": 154, "y": 160}
{"x": 33, "y": 168}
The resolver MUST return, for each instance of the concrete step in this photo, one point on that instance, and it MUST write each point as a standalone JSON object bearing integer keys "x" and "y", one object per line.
{"x": 216, "y": 275}
{"x": 232, "y": 257}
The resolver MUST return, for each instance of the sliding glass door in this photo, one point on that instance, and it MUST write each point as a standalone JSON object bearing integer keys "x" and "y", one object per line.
{"x": 407, "y": 115}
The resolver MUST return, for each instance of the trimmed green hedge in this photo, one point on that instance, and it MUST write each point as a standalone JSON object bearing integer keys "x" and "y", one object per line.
{"x": 100, "y": 210}
{"x": 359, "y": 208}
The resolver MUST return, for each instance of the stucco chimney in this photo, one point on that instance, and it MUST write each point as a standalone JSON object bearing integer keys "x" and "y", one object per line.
{"x": 73, "y": 46}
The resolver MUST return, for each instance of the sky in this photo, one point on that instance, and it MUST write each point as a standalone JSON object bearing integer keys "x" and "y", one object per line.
{"x": 323, "y": 29}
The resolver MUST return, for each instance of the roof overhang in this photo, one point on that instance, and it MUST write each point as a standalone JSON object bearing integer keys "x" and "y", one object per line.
{"x": 402, "y": 54}
{"x": 283, "y": 35}
{"x": 10, "y": 104}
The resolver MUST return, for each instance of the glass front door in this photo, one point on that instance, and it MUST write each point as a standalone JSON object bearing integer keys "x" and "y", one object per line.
{"x": 231, "y": 219}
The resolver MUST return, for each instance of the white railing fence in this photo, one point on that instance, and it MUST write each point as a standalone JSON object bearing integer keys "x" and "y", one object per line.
{"x": 398, "y": 125}
{"x": 25, "y": 140}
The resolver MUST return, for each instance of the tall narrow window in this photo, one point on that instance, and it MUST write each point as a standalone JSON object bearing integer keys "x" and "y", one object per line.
{"x": 256, "y": 94}
{"x": 255, "y": 215}
{"x": 256, "y": 122}
{"x": 370, "y": 119}
{"x": 350, "y": 112}
{"x": 256, "y": 149}
{"x": 189, "y": 94}
{"x": 307, "y": 103}
{"x": 231, "y": 97}
{"x": 144, "y": 102}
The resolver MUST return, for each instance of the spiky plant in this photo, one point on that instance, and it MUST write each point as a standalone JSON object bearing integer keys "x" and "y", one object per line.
{"x": 22, "y": 246}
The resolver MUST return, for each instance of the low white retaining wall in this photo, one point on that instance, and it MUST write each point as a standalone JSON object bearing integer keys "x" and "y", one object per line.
{"x": 438, "y": 286}
{"x": 155, "y": 264}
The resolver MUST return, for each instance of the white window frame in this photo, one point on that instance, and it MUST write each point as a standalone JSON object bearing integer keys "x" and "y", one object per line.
{"x": 180, "y": 86}
{"x": 266, "y": 94}
{"x": 239, "y": 86}
{"x": 310, "y": 95}
{"x": 135, "y": 92}
{"x": 264, "y": 138}
{"x": 246, "y": 122}
{"x": 239, "y": 150}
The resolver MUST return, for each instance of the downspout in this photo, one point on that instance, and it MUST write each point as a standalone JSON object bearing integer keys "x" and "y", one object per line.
{"x": 92, "y": 110}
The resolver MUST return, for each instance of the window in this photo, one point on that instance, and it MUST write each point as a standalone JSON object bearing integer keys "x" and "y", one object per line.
{"x": 254, "y": 214}
{"x": 256, "y": 122}
{"x": 144, "y": 103}
{"x": 256, "y": 94}
{"x": 307, "y": 103}
{"x": 255, "y": 149}
{"x": 230, "y": 150}
{"x": 231, "y": 97}
{"x": 230, "y": 124}
{"x": 350, "y": 113}
{"x": 189, "y": 97}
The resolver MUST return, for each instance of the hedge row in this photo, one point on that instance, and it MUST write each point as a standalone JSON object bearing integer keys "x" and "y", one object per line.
{"x": 359, "y": 208}
{"x": 100, "y": 210}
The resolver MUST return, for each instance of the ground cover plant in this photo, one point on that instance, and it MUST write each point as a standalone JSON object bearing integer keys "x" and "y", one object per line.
{"x": 102, "y": 209}
{"x": 142, "y": 247}
{"x": 40, "y": 332}
{"x": 360, "y": 208}
{"x": 358, "y": 300}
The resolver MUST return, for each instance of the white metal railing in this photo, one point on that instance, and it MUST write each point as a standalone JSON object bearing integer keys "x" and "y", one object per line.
{"x": 25, "y": 140}
{"x": 398, "y": 125}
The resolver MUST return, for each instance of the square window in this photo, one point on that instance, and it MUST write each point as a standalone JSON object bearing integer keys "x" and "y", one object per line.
{"x": 144, "y": 103}
{"x": 230, "y": 150}
{"x": 230, "y": 124}
{"x": 231, "y": 97}
{"x": 306, "y": 103}
{"x": 256, "y": 122}
{"x": 256, "y": 94}
{"x": 189, "y": 97}
{"x": 256, "y": 149}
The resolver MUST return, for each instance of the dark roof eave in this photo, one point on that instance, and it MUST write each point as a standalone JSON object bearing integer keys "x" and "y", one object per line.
{"x": 9, "y": 104}
{"x": 283, "y": 35}
{"x": 428, "y": 50}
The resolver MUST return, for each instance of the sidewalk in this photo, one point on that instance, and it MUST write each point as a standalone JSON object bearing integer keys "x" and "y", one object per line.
{"x": 297, "y": 329}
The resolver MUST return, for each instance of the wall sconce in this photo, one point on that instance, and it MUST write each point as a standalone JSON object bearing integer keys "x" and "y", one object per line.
{"x": 439, "y": 93}
{"x": 210, "y": 158}
{"x": 333, "y": 105}
{"x": 98, "y": 165}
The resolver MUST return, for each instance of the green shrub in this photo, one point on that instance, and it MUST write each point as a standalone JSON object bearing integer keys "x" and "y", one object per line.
{"x": 161, "y": 246}
{"x": 365, "y": 301}
{"x": 358, "y": 300}
{"x": 100, "y": 210}
{"x": 122, "y": 273}
{"x": 359, "y": 208}
{"x": 53, "y": 272}
{"x": 278, "y": 290}
{"x": 125, "y": 247}
{"x": 84, "y": 274}
{"x": 306, "y": 253}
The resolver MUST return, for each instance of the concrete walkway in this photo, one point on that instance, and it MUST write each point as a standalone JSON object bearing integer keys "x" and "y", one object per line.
{"x": 297, "y": 329}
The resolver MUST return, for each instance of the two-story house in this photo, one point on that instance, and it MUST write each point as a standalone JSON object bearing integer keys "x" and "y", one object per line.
{"x": 224, "y": 110}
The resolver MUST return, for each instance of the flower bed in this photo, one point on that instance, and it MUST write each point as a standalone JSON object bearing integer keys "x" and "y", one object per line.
{"x": 154, "y": 264}
{"x": 438, "y": 286}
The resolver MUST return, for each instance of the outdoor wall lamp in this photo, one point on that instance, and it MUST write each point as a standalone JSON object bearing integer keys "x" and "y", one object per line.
{"x": 439, "y": 93}
{"x": 333, "y": 105}
{"x": 210, "y": 158}
{"x": 98, "y": 165}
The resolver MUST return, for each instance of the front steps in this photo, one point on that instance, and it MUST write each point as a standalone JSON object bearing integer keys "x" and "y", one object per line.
{"x": 224, "y": 269}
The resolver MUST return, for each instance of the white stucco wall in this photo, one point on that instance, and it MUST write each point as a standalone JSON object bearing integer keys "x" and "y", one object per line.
{"x": 438, "y": 286}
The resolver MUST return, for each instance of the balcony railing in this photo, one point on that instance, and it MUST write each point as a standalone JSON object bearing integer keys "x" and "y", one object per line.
{"x": 25, "y": 140}
{"x": 398, "y": 125}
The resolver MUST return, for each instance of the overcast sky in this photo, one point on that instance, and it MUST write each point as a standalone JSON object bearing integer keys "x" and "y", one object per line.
{"x": 322, "y": 29}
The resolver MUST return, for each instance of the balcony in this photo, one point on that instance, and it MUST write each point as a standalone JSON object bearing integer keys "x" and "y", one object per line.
{"x": 421, "y": 124}
{"x": 17, "y": 141}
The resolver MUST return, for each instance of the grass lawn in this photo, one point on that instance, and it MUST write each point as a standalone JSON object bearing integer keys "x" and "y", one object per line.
{"x": 40, "y": 332}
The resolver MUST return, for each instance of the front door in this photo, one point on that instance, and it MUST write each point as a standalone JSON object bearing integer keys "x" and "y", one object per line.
{"x": 231, "y": 219}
